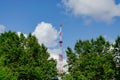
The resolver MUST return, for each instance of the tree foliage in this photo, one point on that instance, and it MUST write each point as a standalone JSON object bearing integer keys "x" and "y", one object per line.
{"x": 116, "y": 52}
{"x": 90, "y": 60}
{"x": 23, "y": 58}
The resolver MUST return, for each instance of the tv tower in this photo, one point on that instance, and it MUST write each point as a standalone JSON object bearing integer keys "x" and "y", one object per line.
{"x": 60, "y": 62}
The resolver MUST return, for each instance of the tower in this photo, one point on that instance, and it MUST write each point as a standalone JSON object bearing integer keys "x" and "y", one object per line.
{"x": 60, "y": 62}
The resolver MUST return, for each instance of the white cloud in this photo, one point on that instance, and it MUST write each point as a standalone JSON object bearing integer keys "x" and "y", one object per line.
{"x": 20, "y": 33}
{"x": 2, "y": 28}
{"x": 46, "y": 34}
{"x": 98, "y": 9}
{"x": 54, "y": 53}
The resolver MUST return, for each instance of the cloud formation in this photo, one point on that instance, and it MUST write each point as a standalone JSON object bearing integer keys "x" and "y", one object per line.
{"x": 104, "y": 10}
{"x": 2, "y": 28}
{"x": 23, "y": 34}
{"x": 54, "y": 53}
{"x": 46, "y": 34}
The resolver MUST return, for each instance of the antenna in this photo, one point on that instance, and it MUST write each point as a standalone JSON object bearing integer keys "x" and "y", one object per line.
{"x": 60, "y": 62}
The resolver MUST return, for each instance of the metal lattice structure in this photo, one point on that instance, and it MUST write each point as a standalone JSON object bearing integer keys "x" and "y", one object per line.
{"x": 60, "y": 62}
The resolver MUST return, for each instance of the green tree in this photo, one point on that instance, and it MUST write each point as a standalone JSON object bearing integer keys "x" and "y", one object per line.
{"x": 116, "y": 52}
{"x": 90, "y": 60}
{"x": 23, "y": 58}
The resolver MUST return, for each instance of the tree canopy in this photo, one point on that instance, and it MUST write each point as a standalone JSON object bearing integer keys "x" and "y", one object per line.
{"x": 90, "y": 60}
{"x": 116, "y": 53}
{"x": 23, "y": 58}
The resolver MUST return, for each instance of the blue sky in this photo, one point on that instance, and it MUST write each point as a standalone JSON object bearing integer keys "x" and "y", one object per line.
{"x": 79, "y": 22}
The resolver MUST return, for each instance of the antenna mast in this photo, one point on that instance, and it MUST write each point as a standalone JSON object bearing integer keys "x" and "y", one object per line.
{"x": 60, "y": 68}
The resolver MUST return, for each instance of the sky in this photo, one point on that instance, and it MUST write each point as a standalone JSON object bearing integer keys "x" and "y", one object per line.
{"x": 80, "y": 19}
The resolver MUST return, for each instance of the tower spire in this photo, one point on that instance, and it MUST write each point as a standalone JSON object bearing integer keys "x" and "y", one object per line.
{"x": 60, "y": 54}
